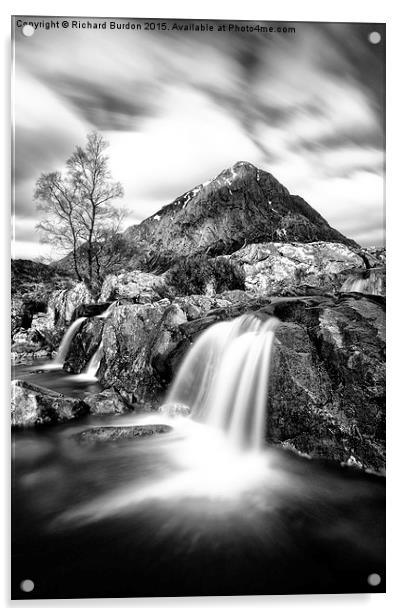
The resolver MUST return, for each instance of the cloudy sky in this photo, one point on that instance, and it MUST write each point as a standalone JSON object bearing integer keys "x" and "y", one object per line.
{"x": 177, "y": 108}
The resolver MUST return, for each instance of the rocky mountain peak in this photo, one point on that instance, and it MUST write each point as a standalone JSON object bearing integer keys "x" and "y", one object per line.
{"x": 242, "y": 174}
{"x": 241, "y": 205}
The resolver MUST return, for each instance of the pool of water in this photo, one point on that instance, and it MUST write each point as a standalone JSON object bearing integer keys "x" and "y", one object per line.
{"x": 40, "y": 372}
{"x": 183, "y": 513}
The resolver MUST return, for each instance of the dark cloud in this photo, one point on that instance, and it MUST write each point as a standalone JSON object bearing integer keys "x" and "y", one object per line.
{"x": 106, "y": 107}
{"x": 362, "y": 60}
{"x": 368, "y": 138}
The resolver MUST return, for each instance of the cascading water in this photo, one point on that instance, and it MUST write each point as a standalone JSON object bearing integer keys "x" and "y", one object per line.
{"x": 225, "y": 377}
{"x": 93, "y": 366}
{"x": 94, "y": 363}
{"x": 89, "y": 374}
{"x": 58, "y": 361}
{"x": 370, "y": 282}
{"x": 107, "y": 312}
{"x": 217, "y": 452}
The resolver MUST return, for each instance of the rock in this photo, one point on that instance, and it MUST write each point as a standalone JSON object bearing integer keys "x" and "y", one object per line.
{"x": 237, "y": 296}
{"x": 40, "y": 321}
{"x": 21, "y": 336}
{"x": 135, "y": 285}
{"x": 21, "y": 354}
{"x": 26, "y": 313}
{"x": 175, "y": 410}
{"x": 32, "y": 405}
{"x": 376, "y": 256}
{"x": 194, "y": 306}
{"x": 107, "y": 402}
{"x": 111, "y": 434}
{"x": 133, "y": 335}
{"x": 32, "y": 343}
{"x": 62, "y": 304}
{"x": 327, "y": 391}
{"x": 198, "y": 306}
{"x": 279, "y": 268}
{"x": 17, "y": 314}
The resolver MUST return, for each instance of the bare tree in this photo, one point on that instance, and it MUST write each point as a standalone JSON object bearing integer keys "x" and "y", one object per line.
{"x": 81, "y": 218}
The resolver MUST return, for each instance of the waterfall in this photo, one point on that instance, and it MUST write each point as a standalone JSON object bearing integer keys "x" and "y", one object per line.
{"x": 224, "y": 379}
{"x": 106, "y": 313}
{"x": 62, "y": 351}
{"x": 93, "y": 364}
{"x": 370, "y": 282}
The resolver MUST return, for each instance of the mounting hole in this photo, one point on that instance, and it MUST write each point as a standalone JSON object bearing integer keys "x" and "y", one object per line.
{"x": 27, "y": 585}
{"x": 374, "y": 38}
{"x": 374, "y": 579}
{"x": 28, "y": 30}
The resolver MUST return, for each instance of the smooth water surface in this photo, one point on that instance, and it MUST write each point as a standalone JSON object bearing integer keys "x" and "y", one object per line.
{"x": 184, "y": 513}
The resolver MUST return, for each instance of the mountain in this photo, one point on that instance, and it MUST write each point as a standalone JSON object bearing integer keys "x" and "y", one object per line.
{"x": 242, "y": 205}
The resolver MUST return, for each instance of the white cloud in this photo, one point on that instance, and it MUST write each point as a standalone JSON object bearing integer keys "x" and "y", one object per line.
{"x": 350, "y": 204}
{"x": 37, "y": 107}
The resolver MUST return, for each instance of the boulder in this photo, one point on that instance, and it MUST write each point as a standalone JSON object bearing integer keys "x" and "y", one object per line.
{"x": 40, "y": 321}
{"x": 132, "y": 336}
{"x": 107, "y": 402}
{"x": 63, "y": 303}
{"x": 327, "y": 389}
{"x": 138, "y": 286}
{"x": 279, "y": 268}
{"x": 32, "y": 405}
{"x": 195, "y": 306}
{"x": 111, "y": 434}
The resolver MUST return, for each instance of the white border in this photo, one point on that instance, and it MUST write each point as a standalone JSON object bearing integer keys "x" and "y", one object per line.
{"x": 285, "y": 10}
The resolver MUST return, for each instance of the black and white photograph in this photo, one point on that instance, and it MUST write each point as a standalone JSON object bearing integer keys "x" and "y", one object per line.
{"x": 198, "y": 284}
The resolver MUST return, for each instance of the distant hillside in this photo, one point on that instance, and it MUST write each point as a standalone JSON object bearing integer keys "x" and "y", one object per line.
{"x": 26, "y": 275}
